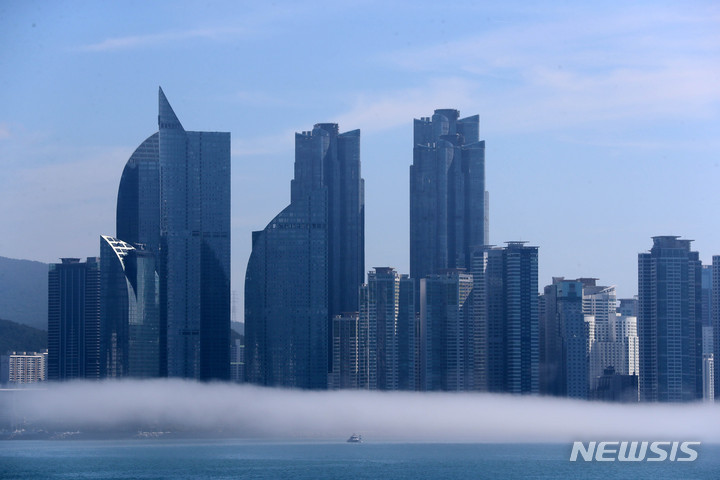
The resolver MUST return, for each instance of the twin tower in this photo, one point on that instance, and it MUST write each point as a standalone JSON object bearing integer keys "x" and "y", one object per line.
{"x": 308, "y": 264}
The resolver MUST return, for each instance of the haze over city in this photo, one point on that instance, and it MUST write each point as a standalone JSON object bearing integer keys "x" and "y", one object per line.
{"x": 600, "y": 121}
{"x": 255, "y": 412}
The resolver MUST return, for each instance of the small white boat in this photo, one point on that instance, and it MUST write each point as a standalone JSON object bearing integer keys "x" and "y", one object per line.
{"x": 355, "y": 438}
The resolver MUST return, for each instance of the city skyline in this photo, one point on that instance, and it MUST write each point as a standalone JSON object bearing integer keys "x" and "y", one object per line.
{"x": 598, "y": 128}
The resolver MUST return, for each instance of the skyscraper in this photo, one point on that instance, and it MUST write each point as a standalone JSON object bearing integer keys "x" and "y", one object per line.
{"x": 137, "y": 215}
{"x": 129, "y": 309}
{"x": 387, "y": 308}
{"x": 348, "y": 369}
{"x": 448, "y": 215}
{"x": 166, "y": 278}
{"x": 669, "y": 322}
{"x": 307, "y": 265}
{"x": 74, "y": 319}
{"x": 716, "y": 323}
{"x": 446, "y": 336}
{"x": 506, "y": 318}
{"x": 194, "y": 252}
{"x": 567, "y": 334}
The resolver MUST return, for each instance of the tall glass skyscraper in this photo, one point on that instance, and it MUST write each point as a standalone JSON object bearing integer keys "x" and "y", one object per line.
{"x": 129, "y": 309}
{"x": 715, "y": 318}
{"x": 194, "y": 250}
{"x": 307, "y": 265}
{"x": 166, "y": 281}
{"x": 567, "y": 340}
{"x": 506, "y": 323}
{"x": 447, "y": 360}
{"x": 448, "y": 201}
{"x": 387, "y": 309}
{"x": 74, "y": 319}
{"x": 138, "y": 202}
{"x": 670, "y": 322}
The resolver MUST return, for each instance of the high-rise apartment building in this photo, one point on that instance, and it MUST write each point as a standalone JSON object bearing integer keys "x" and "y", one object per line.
{"x": 615, "y": 343}
{"x": 307, "y": 265}
{"x": 446, "y": 336}
{"x": 387, "y": 308}
{"x": 74, "y": 319}
{"x": 129, "y": 310}
{"x": 715, "y": 303}
{"x": 350, "y": 366}
{"x": 628, "y": 307}
{"x": 568, "y": 336}
{"x": 23, "y": 367}
{"x": 506, "y": 329}
{"x": 669, "y": 322}
{"x": 448, "y": 201}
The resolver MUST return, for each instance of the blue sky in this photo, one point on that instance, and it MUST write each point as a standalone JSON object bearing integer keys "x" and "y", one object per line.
{"x": 601, "y": 120}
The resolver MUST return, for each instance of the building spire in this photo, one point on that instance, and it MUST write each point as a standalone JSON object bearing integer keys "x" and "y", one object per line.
{"x": 166, "y": 116}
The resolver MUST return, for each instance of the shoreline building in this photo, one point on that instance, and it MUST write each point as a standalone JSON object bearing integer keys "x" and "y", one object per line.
{"x": 715, "y": 319}
{"x": 129, "y": 311}
{"x": 506, "y": 331}
{"x": 23, "y": 367}
{"x": 448, "y": 200}
{"x": 307, "y": 265}
{"x": 669, "y": 322}
{"x": 568, "y": 336}
{"x": 194, "y": 252}
{"x": 74, "y": 319}
{"x": 350, "y": 366}
{"x": 446, "y": 336}
{"x": 387, "y": 310}
{"x": 166, "y": 274}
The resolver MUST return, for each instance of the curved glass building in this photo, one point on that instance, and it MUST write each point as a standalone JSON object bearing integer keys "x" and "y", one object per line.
{"x": 166, "y": 273}
{"x": 138, "y": 201}
{"x": 307, "y": 265}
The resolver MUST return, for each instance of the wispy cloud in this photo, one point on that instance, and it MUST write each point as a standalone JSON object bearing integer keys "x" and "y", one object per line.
{"x": 4, "y": 131}
{"x": 558, "y": 72}
{"x": 383, "y": 110}
{"x": 153, "y": 39}
{"x": 75, "y": 197}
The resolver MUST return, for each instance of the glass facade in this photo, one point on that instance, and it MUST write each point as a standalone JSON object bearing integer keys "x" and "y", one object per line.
{"x": 446, "y": 322}
{"x": 670, "y": 321}
{"x": 129, "y": 292}
{"x": 387, "y": 309}
{"x": 448, "y": 215}
{"x": 306, "y": 266}
{"x": 138, "y": 200}
{"x": 506, "y": 312}
{"x": 166, "y": 279}
{"x": 194, "y": 252}
{"x": 74, "y": 319}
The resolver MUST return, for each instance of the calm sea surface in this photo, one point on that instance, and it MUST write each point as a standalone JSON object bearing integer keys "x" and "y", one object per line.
{"x": 236, "y": 459}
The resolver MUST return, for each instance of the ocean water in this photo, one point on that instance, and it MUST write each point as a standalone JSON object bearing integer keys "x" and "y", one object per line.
{"x": 237, "y": 459}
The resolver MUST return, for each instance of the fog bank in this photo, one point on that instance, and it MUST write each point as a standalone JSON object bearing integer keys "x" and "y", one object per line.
{"x": 255, "y": 412}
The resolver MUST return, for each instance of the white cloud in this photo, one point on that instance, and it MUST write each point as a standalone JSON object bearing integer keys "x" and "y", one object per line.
{"x": 142, "y": 41}
{"x": 569, "y": 69}
{"x": 436, "y": 417}
{"x": 383, "y": 110}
